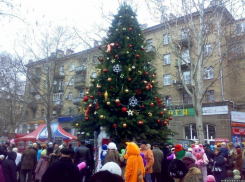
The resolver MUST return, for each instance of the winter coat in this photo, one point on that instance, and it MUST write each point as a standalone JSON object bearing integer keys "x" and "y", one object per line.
{"x": 9, "y": 168}
{"x": 230, "y": 158}
{"x": 165, "y": 162}
{"x": 135, "y": 170}
{"x": 238, "y": 162}
{"x": 149, "y": 160}
{"x": 1, "y": 174}
{"x": 194, "y": 175}
{"x": 42, "y": 166}
{"x": 158, "y": 157}
{"x": 29, "y": 159}
{"x": 219, "y": 161}
{"x": 224, "y": 152}
{"x": 210, "y": 154}
{"x": 39, "y": 154}
{"x": 18, "y": 158}
{"x": 112, "y": 156}
{"x": 82, "y": 155}
{"x": 123, "y": 161}
{"x": 56, "y": 156}
{"x": 62, "y": 170}
{"x": 189, "y": 162}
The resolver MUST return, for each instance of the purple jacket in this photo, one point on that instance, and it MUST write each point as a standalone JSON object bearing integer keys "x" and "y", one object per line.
{"x": 1, "y": 174}
{"x": 143, "y": 157}
{"x": 42, "y": 166}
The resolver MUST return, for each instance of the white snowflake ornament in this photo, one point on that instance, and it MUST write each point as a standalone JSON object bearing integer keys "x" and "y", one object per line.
{"x": 116, "y": 68}
{"x": 133, "y": 101}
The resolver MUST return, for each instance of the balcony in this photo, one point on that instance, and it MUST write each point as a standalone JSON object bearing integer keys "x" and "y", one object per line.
{"x": 58, "y": 103}
{"x": 80, "y": 69}
{"x": 150, "y": 49}
{"x": 77, "y": 100}
{"x": 180, "y": 86}
{"x": 58, "y": 89}
{"x": 32, "y": 105}
{"x": 36, "y": 77}
{"x": 184, "y": 64}
{"x": 34, "y": 91}
{"x": 184, "y": 41}
{"x": 79, "y": 82}
{"x": 60, "y": 74}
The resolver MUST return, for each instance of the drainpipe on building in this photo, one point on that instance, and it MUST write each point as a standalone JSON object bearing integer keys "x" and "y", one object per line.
{"x": 221, "y": 70}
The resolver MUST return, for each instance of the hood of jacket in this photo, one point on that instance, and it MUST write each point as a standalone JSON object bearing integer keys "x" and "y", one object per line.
{"x": 132, "y": 149}
{"x": 194, "y": 174}
{"x": 12, "y": 155}
{"x": 188, "y": 160}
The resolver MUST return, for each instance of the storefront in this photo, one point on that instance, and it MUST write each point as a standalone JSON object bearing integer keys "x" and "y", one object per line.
{"x": 238, "y": 128}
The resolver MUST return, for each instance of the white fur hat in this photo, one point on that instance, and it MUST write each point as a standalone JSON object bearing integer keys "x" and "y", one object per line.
{"x": 223, "y": 143}
{"x": 112, "y": 167}
{"x": 112, "y": 146}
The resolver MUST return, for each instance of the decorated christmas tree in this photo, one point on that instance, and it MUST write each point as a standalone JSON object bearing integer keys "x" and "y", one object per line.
{"x": 124, "y": 97}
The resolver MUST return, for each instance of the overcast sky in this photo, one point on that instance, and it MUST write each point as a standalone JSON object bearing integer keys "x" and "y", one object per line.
{"x": 83, "y": 14}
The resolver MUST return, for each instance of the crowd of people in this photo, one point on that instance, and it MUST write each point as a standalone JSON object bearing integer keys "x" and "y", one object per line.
{"x": 138, "y": 162}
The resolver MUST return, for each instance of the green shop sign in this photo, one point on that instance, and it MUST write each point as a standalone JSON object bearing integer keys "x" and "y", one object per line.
{"x": 182, "y": 112}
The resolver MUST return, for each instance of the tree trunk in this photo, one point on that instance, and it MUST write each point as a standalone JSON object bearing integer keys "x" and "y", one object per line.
{"x": 199, "y": 125}
{"x": 49, "y": 126}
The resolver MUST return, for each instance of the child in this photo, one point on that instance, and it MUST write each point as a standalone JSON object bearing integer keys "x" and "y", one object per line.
{"x": 210, "y": 178}
{"x": 237, "y": 175}
{"x": 224, "y": 150}
{"x": 229, "y": 175}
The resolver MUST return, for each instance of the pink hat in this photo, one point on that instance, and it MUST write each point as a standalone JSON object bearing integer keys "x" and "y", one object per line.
{"x": 210, "y": 178}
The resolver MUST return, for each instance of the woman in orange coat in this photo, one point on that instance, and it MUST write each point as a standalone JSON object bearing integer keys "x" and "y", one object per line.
{"x": 238, "y": 159}
{"x": 135, "y": 170}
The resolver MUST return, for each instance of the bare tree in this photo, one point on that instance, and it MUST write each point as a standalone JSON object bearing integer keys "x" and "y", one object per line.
{"x": 201, "y": 36}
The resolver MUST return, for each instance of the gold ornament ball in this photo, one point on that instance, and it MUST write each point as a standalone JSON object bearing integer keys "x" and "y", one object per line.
{"x": 92, "y": 80}
{"x": 132, "y": 17}
{"x": 153, "y": 81}
{"x": 87, "y": 93}
{"x": 139, "y": 34}
{"x": 127, "y": 37}
{"x": 129, "y": 69}
{"x": 116, "y": 29}
{"x": 124, "y": 125}
{"x": 102, "y": 117}
{"x": 108, "y": 103}
{"x": 133, "y": 67}
{"x": 126, "y": 91}
{"x": 127, "y": 52}
{"x": 117, "y": 101}
{"x": 98, "y": 86}
{"x": 153, "y": 75}
{"x": 77, "y": 124}
{"x": 120, "y": 16}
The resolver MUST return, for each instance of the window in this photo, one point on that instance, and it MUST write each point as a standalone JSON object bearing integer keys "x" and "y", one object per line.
{"x": 34, "y": 113}
{"x": 187, "y": 99}
{"x": 95, "y": 60}
{"x": 168, "y": 100}
{"x": 240, "y": 27}
{"x": 191, "y": 133}
{"x": 166, "y": 80}
{"x": 42, "y": 112}
{"x": 24, "y": 129}
{"x": 46, "y": 69}
{"x": 94, "y": 75}
{"x": 209, "y": 96}
{"x": 149, "y": 42}
{"x": 187, "y": 77}
{"x": 208, "y": 73}
{"x": 185, "y": 56}
{"x": 81, "y": 93}
{"x": 237, "y": 49}
{"x": 166, "y": 39}
{"x": 71, "y": 81}
{"x": 21, "y": 145}
{"x": 61, "y": 87}
{"x": 70, "y": 96}
{"x": 28, "y": 143}
{"x": 72, "y": 67}
{"x": 184, "y": 33}
{"x": 166, "y": 59}
{"x": 69, "y": 111}
{"x": 62, "y": 70}
{"x": 207, "y": 49}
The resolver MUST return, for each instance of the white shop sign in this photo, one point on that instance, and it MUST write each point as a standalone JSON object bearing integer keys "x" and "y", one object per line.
{"x": 216, "y": 110}
{"x": 238, "y": 117}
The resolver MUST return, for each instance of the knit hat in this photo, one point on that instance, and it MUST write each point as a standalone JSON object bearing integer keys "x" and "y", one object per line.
{"x": 188, "y": 154}
{"x": 104, "y": 147}
{"x": 210, "y": 178}
{"x": 112, "y": 167}
{"x": 189, "y": 149}
{"x": 112, "y": 146}
{"x": 223, "y": 143}
{"x": 178, "y": 148}
{"x": 177, "y": 169}
{"x": 236, "y": 174}
{"x": 66, "y": 151}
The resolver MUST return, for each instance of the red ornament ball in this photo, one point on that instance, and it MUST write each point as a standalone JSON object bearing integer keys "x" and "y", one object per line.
{"x": 152, "y": 104}
{"x": 155, "y": 97}
{"x": 85, "y": 99}
{"x": 163, "y": 106}
{"x": 161, "y": 113}
{"x": 124, "y": 109}
{"x": 111, "y": 87}
{"x": 101, "y": 59}
{"x": 99, "y": 93}
{"x": 116, "y": 56}
{"x": 137, "y": 55}
{"x": 105, "y": 70}
{"x": 86, "y": 118}
{"x": 117, "y": 45}
{"x": 147, "y": 88}
{"x": 124, "y": 125}
{"x": 142, "y": 106}
{"x": 146, "y": 73}
{"x": 129, "y": 79}
{"x": 109, "y": 79}
{"x": 165, "y": 122}
{"x": 141, "y": 122}
{"x": 114, "y": 126}
{"x": 130, "y": 45}
{"x": 130, "y": 29}
{"x": 91, "y": 96}
{"x": 170, "y": 118}
{"x": 158, "y": 120}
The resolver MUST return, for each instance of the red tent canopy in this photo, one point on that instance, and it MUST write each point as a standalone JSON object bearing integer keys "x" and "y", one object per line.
{"x": 41, "y": 133}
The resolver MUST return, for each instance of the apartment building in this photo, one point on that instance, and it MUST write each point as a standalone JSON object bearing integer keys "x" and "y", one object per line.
{"x": 224, "y": 95}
